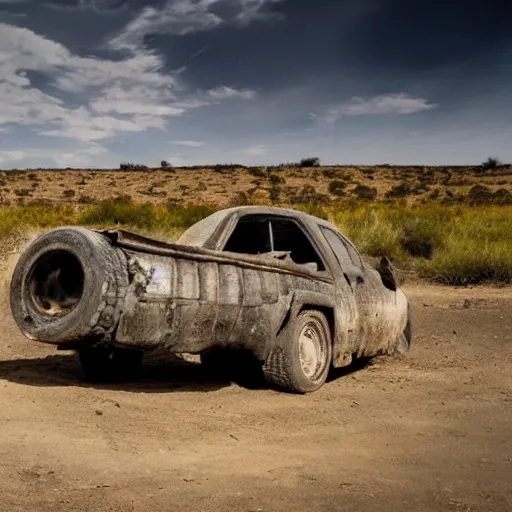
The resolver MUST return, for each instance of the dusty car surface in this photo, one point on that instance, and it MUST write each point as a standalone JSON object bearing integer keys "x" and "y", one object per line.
{"x": 280, "y": 284}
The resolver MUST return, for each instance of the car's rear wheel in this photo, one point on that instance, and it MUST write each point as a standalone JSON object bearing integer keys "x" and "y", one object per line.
{"x": 107, "y": 364}
{"x": 301, "y": 358}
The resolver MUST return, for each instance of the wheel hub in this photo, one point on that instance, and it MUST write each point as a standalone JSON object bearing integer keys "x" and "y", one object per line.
{"x": 311, "y": 352}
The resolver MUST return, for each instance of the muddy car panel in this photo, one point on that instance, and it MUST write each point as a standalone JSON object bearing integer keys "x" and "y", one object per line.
{"x": 206, "y": 297}
{"x": 237, "y": 278}
{"x": 187, "y": 306}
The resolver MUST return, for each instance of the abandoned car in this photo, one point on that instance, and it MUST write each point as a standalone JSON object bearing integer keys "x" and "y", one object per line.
{"x": 283, "y": 285}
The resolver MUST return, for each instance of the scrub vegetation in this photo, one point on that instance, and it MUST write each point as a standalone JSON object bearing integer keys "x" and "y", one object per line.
{"x": 447, "y": 225}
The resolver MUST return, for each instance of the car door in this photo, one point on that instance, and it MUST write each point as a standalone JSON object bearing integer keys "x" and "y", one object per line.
{"x": 267, "y": 295}
{"x": 374, "y": 302}
{"x": 350, "y": 277}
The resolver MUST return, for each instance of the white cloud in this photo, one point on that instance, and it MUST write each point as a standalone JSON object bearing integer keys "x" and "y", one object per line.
{"x": 214, "y": 96}
{"x": 223, "y": 92}
{"x": 56, "y": 157}
{"x": 177, "y": 161}
{"x": 254, "y": 151}
{"x": 127, "y": 95}
{"x": 188, "y": 143}
{"x": 397, "y": 104}
{"x": 136, "y": 100}
{"x": 254, "y": 10}
{"x": 11, "y": 156}
{"x": 141, "y": 68}
{"x": 180, "y": 17}
{"x": 387, "y": 104}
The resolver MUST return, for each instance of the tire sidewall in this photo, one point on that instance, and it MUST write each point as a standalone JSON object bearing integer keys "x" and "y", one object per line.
{"x": 77, "y": 322}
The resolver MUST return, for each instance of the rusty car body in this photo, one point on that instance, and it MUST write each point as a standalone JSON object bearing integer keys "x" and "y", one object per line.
{"x": 282, "y": 285}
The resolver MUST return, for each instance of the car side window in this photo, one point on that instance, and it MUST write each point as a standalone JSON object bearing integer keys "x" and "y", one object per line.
{"x": 344, "y": 252}
{"x": 258, "y": 234}
{"x": 354, "y": 255}
{"x": 251, "y": 236}
{"x": 288, "y": 236}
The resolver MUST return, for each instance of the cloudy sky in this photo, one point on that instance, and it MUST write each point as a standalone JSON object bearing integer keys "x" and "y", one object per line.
{"x": 98, "y": 82}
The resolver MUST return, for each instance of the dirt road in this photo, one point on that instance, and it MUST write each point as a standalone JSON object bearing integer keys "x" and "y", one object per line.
{"x": 432, "y": 432}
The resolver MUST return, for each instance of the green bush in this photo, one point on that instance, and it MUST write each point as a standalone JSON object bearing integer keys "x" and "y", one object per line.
{"x": 455, "y": 245}
{"x": 184, "y": 216}
{"x": 373, "y": 233}
{"x": 482, "y": 195}
{"x": 308, "y": 195}
{"x": 490, "y": 164}
{"x": 448, "y": 244}
{"x": 468, "y": 261}
{"x": 111, "y": 212}
{"x": 502, "y": 197}
{"x": 337, "y": 187}
{"x": 310, "y": 162}
{"x": 401, "y": 190}
{"x": 274, "y": 179}
{"x": 365, "y": 193}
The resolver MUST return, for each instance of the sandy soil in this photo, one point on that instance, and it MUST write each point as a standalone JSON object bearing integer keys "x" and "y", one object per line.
{"x": 431, "y": 432}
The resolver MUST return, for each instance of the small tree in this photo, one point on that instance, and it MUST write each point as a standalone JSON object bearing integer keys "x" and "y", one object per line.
{"x": 490, "y": 164}
{"x": 127, "y": 166}
{"x": 310, "y": 162}
{"x": 164, "y": 164}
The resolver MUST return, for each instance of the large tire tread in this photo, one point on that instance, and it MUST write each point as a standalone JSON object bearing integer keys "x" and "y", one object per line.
{"x": 277, "y": 370}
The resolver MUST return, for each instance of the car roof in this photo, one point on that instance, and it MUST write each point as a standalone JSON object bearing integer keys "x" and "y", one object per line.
{"x": 275, "y": 210}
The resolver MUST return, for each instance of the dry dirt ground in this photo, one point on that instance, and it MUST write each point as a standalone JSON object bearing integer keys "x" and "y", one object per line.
{"x": 431, "y": 432}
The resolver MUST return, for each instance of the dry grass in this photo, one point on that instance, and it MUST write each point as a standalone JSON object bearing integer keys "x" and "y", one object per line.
{"x": 219, "y": 185}
{"x": 455, "y": 245}
{"x": 450, "y": 225}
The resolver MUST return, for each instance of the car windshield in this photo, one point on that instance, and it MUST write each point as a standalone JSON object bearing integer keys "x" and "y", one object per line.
{"x": 199, "y": 234}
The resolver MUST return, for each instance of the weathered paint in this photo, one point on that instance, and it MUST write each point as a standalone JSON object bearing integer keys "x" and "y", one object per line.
{"x": 219, "y": 298}
{"x": 188, "y": 306}
{"x": 187, "y": 298}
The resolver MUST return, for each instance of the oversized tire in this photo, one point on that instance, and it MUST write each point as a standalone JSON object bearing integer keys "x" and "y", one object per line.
{"x": 68, "y": 284}
{"x": 108, "y": 364}
{"x": 301, "y": 358}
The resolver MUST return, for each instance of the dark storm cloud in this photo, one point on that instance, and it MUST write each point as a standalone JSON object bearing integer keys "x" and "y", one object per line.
{"x": 405, "y": 35}
{"x": 363, "y": 44}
